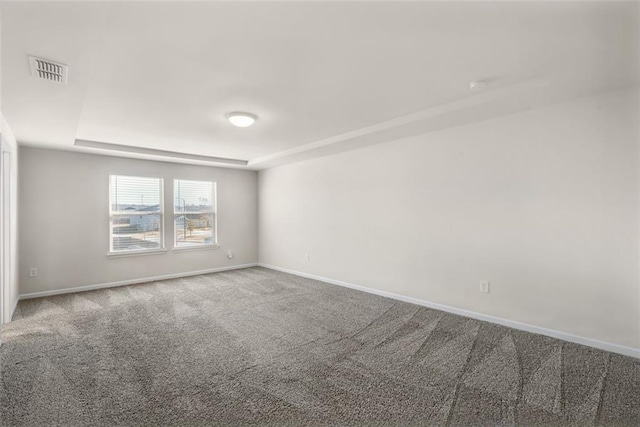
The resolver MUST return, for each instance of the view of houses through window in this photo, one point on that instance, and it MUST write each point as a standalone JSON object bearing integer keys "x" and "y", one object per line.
{"x": 136, "y": 213}
{"x": 194, "y": 220}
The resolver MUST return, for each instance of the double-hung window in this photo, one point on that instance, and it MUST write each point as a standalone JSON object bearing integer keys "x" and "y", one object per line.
{"x": 194, "y": 213}
{"x": 135, "y": 214}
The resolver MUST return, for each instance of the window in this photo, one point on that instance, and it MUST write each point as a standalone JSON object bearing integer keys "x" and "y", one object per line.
{"x": 135, "y": 214}
{"x": 194, "y": 213}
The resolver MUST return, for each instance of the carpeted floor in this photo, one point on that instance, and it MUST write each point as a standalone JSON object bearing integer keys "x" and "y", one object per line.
{"x": 260, "y": 346}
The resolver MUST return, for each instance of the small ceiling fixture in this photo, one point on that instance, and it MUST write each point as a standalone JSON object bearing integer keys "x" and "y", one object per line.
{"x": 477, "y": 85}
{"x": 242, "y": 120}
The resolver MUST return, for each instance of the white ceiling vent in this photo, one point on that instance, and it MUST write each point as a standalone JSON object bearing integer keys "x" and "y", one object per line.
{"x": 48, "y": 70}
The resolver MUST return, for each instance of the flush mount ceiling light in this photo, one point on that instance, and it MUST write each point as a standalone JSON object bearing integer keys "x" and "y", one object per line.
{"x": 242, "y": 120}
{"x": 478, "y": 85}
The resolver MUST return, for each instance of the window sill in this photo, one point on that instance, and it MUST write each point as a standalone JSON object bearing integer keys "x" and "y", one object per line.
{"x": 196, "y": 248}
{"x": 136, "y": 253}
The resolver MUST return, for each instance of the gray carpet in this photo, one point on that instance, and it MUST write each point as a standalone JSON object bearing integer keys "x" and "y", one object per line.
{"x": 259, "y": 346}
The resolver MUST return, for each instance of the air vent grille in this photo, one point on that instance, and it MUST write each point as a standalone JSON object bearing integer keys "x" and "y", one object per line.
{"x": 48, "y": 70}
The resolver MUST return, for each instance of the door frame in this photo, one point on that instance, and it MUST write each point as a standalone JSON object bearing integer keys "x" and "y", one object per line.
{"x": 5, "y": 232}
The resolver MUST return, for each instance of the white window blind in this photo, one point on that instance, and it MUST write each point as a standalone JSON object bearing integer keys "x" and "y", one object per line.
{"x": 135, "y": 214}
{"x": 194, "y": 213}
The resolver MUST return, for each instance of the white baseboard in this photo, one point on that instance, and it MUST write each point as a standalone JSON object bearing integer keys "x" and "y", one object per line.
{"x": 13, "y": 311}
{"x": 132, "y": 281}
{"x": 602, "y": 345}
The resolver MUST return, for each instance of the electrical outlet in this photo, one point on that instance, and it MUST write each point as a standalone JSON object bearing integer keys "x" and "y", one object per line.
{"x": 33, "y": 272}
{"x": 229, "y": 254}
{"x": 484, "y": 287}
{"x": 307, "y": 257}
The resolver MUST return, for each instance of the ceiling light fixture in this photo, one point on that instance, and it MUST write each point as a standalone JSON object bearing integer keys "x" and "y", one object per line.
{"x": 478, "y": 85}
{"x": 242, "y": 120}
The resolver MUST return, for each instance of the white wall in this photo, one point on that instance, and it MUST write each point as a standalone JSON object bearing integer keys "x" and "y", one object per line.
{"x": 10, "y": 141}
{"x": 64, "y": 221}
{"x": 543, "y": 204}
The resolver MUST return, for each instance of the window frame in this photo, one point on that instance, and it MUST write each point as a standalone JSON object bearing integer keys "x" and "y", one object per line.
{"x": 214, "y": 212}
{"x": 152, "y": 251}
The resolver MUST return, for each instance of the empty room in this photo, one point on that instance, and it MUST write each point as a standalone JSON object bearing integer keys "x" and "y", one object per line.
{"x": 319, "y": 213}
